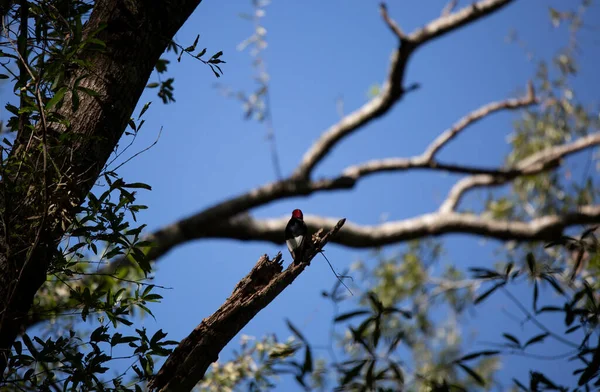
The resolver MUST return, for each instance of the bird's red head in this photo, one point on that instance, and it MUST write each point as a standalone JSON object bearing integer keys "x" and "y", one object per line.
{"x": 297, "y": 214}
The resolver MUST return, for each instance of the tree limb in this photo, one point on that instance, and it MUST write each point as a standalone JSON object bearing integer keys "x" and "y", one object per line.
{"x": 194, "y": 354}
{"x": 392, "y": 90}
{"x": 546, "y": 228}
{"x": 534, "y": 164}
{"x": 475, "y": 116}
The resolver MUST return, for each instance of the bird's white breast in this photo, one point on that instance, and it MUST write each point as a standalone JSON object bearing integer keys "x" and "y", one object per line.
{"x": 294, "y": 243}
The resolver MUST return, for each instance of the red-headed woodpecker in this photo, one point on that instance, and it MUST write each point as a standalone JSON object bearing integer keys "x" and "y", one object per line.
{"x": 295, "y": 234}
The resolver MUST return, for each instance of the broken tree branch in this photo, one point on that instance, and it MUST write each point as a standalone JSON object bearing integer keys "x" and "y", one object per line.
{"x": 188, "y": 363}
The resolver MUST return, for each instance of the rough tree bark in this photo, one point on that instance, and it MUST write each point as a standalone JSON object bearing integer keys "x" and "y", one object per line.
{"x": 54, "y": 177}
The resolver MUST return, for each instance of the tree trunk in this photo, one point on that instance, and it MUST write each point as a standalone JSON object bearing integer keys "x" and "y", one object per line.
{"x": 40, "y": 193}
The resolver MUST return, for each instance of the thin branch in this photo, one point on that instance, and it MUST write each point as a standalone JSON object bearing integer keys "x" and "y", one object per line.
{"x": 449, "y": 7}
{"x": 137, "y": 153}
{"x": 534, "y": 164}
{"x": 536, "y": 321}
{"x": 391, "y": 23}
{"x": 393, "y": 89}
{"x": 460, "y": 18}
{"x": 194, "y": 354}
{"x": 475, "y": 116}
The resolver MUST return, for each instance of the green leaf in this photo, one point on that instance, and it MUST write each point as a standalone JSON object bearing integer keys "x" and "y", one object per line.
{"x": 572, "y": 329}
{"x": 592, "y": 368}
{"x": 153, "y": 297}
{"x": 78, "y": 30}
{"x": 146, "y": 106}
{"x": 554, "y": 284}
{"x": 283, "y": 353}
{"x": 531, "y": 263}
{"x": 138, "y": 185}
{"x": 398, "y": 374}
{"x": 536, "y": 339}
{"x": 478, "y": 354}
{"x": 99, "y": 334}
{"x": 473, "y": 374}
{"x": 75, "y": 100}
{"x": 3, "y": 76}
{"x": 377, "y": 305}
{"x": 96, "y": 41}
{"x": 18, "y": 347}
{"x": 146, "y": 310}
{"x": 58, "y": 96}
{"x": 520, "y": 385}
{"x": 296, "y": 332}
{"x": 488, "y": 292}
{"x": 535, "y": 295}
{"x": 308, "y": 362}
{"x": 512, "y": 339}
{"x": 369, "y": 375}
{"x": 152, "y": 85}
{"x": 349, "y": 315}
{"x": 353, "y": 372}
{"x": 192, "y": 47}
{"x": 88, "y": 91}
{"x": 399, "y": 336}
{"x": 376, "y": 332}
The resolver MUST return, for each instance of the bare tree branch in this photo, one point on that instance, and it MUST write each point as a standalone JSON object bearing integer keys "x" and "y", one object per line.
{"x": 391, "y": 23}
{"x": 393, "y": 89}
{"x": 475, "y": 116}
{"x": 545, "y": 228}
{"x": 536, "y": 163}
{"x": 194, "y": 354}
{"x": 447, "y": 23}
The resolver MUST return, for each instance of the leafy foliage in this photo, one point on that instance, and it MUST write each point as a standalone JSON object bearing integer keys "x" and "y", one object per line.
{"x": 42, "y": 47}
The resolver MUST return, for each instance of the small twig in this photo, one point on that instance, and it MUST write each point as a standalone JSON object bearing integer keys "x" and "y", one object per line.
{"x": 475, "y": 116}
{"x": 535, "y": 320}
{"x": 271, "y": 136}
{"x": 141, "y": 152}
{"x": 448, "y": 8}
{"x": 122, "y": 279}
{"x": 338, "y": 276}
{"x": 391, "y": 23}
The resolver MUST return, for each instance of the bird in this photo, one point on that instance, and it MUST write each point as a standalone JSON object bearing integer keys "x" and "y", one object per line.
{"x": 295, "y": 234}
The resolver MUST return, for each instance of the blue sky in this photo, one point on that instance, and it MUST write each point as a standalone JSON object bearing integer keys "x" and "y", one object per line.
{"x": 318, "y": 52}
